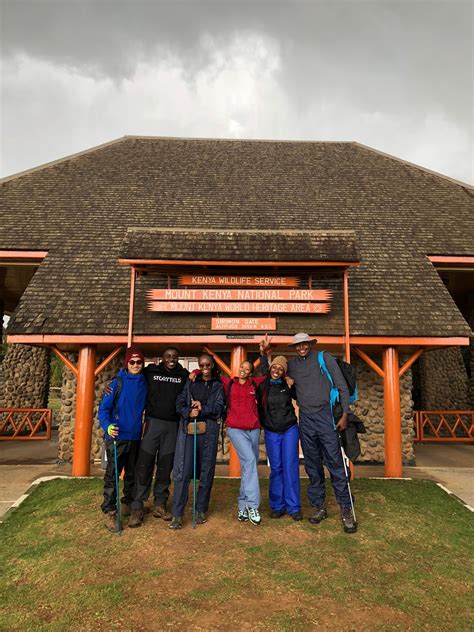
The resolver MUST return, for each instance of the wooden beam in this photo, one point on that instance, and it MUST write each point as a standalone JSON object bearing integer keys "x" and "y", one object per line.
{"x": 238, "y": 355}
{"x": 347, "y": 343}
{"x": 281, "y": 264}
{"x": 81, "y": 460}
{"x": 392, "y": 415}
{"x": 368, "y": 360}
{"x": 448, "y": 259}
{"x": 410, "y": 361}
{"x": 218, "y": 361}
{"x": 72, "y": 367}
{"x": 133, "y": 276}
{"x": 373, "y": 341}
{"x": 23, "y": 254}
{"x": 107, "y": 361}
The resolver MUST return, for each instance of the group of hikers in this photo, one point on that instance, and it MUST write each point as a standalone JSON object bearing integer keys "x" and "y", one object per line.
{"x": 180, "y": 434}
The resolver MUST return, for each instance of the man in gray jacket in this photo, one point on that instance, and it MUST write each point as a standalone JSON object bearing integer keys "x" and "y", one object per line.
{"x": 318, "y": 431}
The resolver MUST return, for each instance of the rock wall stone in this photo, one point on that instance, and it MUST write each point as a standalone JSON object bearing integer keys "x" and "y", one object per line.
{"x": 444, "y": 380}
{"x": 24, "y": 377}
{"x": 68, "y": 408}
{"x": 471, "y": 361}
{"x": 370, "y": 409}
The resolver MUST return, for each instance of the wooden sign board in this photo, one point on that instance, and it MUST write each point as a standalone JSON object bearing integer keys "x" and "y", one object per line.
{"x": 238, "y": 281}
{"x": 243, "y": 324}
{"x": 246, "y": 294}
{"x": 229, "y": 307}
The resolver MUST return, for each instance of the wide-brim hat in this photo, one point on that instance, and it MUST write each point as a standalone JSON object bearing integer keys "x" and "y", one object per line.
{"x": 302, "y": 337}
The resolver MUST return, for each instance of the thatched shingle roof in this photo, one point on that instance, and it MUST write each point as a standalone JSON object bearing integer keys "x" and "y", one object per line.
{"x": 80, "y": 209}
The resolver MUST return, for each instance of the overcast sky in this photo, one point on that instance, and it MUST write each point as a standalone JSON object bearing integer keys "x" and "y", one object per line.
{"x": 396, "y": 75}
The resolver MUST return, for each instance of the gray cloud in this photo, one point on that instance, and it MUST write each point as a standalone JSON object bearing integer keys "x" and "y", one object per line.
{"x": 394, "y": 75}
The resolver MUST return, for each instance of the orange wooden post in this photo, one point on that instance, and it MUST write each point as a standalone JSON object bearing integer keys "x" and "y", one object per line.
{"x": 393, "y": 429}
{"x": 81, "y": 461}
{"x": 133, "y": 276}
{"x": 238, "y": 355}
{"x": 347, "y": 343}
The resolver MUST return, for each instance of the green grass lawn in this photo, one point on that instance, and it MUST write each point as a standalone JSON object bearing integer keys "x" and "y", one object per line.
{"x": 409, "y": 567}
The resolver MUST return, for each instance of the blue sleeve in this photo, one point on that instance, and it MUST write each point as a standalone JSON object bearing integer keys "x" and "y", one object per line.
{"x": 214, "y": 407}
{"x": 105, "y": 408}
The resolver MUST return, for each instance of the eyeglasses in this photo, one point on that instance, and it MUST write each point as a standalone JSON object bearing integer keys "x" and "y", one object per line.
{"x": 205, "y": 365}
{"x": 135, "y": 362}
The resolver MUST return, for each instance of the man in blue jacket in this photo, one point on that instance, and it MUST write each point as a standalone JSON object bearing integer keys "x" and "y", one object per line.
{"x": 120, "y": 416}
{"x": 318, "y": 431}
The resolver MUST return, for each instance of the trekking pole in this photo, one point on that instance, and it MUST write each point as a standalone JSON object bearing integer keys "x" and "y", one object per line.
{"x": 345, "y": 459}
{"x": 194, "y": 473}
{"x": 119, "y": 528}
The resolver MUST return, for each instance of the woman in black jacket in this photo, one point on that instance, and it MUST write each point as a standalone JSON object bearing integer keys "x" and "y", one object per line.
{"x": 203, "y": 400}
{"x": 278, "y": 418}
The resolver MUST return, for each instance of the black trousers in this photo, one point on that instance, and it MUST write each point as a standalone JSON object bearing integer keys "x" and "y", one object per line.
{"x": 206, "y": 454}
{"x": 127, "y": 453}
{"x": 158, "y": 445}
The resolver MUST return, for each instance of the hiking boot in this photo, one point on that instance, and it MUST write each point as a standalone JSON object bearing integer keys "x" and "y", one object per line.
{"x": 320, "y": 514}
{"x": 111, "y": 521}
{"x": 201, "y": 517}
{"x": 254, "y": 515}
{"x": 243, "y": 515}
{"x": 125, "y": 510}
{"x": 161, "y": 512}
{"x": 277, "y": 513}
{"x": 136, "y": 518}
{"x": 176, "y": 522}
{"x": 348, "y": 522}
{"x": 297, "y": 516}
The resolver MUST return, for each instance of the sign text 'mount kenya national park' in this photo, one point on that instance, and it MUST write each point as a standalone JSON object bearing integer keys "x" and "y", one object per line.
{"x": 247, "y": 294}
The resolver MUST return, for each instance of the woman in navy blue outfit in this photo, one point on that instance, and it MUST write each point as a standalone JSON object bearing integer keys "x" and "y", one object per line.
{"x": 203, "y": 400}
{"x": 278, "y": 418}
{"x": 120, "y": 416}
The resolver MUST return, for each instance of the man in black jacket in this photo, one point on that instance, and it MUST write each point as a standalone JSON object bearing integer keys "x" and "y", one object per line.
{"x": 165, "y": 382}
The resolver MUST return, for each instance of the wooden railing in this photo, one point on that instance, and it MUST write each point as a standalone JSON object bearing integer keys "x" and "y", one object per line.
{"x": 25, "y": 424}
{"x": 444, "y": 426}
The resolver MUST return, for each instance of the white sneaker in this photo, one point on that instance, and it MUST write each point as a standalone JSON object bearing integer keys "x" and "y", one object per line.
{"x": 254, "y": 515}
{"x": 243, "y": 515}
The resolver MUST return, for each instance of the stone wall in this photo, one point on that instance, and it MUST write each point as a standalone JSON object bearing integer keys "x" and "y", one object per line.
{"x": 444, "y": 380}
{"x": 24, "y": 377}
{"x": 370, "y": 409}
{"x": 68, "y": 408}
{"x": 471, "y": 361}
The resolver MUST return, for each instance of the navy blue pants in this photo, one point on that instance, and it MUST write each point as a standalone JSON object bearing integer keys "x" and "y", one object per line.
{"x": 206, "y": 454}
{"x": 320, "y": 444}
{"x": 282, "y": 452}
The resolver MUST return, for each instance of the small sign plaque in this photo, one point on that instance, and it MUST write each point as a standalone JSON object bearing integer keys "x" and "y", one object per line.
{"x": 234, "y": 307}
{"x": 238, "y": 281}
{"x": 243, "y": 324}
{"x": 244, "y": 294}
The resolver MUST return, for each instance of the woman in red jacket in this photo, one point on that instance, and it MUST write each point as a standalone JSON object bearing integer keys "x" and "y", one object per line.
{"x": 243, "y": 429}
